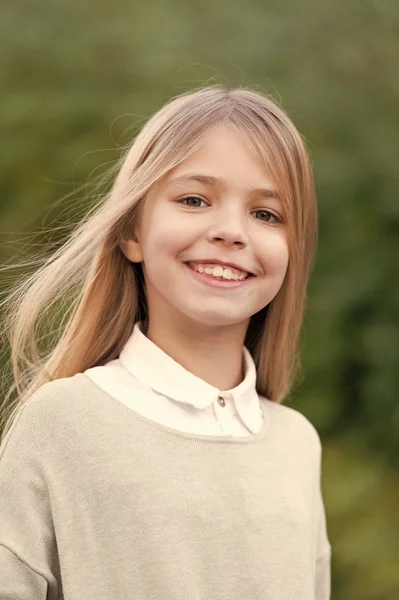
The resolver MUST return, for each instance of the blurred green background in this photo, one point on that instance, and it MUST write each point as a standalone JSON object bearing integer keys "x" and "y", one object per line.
{"x": 78, "y": 78}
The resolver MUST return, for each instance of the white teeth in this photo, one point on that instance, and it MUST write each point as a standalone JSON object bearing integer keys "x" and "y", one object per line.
{"x": 228, "y": 274}
{"x": 218, "y": 271}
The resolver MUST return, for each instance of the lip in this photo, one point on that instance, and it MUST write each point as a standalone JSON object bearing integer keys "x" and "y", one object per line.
{"x": 222, "y": 263}
{"x": 217, "y": 283}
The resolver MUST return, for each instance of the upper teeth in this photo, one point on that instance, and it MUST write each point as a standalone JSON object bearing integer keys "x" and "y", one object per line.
{"x": 219, "y": 271}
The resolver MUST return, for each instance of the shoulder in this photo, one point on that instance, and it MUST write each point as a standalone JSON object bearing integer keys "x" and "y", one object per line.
{"x": 292, "y": 423}
{"x": 46, "y": 412}
{"x": 57, "y": 395}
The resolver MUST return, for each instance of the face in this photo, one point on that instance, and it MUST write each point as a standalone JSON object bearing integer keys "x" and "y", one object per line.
{"x": 210, "y": 208}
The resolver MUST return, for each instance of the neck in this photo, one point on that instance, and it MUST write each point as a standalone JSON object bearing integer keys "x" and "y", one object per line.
{"x": 215, "y": 355}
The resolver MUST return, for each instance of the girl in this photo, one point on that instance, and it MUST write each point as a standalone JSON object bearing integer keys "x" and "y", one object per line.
{"x": 154, "y": 457}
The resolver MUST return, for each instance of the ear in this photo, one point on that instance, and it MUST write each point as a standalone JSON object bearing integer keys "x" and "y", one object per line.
{"x": 132, "y": 250}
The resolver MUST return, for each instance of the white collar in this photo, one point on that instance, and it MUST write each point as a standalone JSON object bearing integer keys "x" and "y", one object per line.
{"x": 160, "y": 372}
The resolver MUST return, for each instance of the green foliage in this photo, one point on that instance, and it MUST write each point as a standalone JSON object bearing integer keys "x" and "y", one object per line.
{"x": 79, "y": 78}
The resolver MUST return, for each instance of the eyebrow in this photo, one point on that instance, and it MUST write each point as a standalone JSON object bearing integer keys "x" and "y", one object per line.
{"x": 215, "y": 181}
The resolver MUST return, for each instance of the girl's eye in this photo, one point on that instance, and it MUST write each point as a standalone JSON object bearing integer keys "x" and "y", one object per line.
{"x": 183, "y": 200}
{"x": 269, "y": 216}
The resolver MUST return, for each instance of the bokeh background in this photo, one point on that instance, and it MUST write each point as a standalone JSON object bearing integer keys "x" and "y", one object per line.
{"x": 79, "y": 77}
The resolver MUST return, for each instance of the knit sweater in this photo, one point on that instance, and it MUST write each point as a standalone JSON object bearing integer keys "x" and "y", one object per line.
{"x": 99, "y": 501}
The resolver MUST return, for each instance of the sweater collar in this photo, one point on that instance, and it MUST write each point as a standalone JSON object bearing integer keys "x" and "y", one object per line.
{"x": 160, "y": 372}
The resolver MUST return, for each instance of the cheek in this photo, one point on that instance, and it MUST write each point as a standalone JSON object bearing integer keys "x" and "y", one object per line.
{"x": 275, "y": 256}
{"x": 163, "y": 242}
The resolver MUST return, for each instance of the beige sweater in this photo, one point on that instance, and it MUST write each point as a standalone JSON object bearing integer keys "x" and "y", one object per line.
{"x": 100, "y": 502}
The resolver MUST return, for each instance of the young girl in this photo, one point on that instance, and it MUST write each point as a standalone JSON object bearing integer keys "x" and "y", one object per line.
{"x": 149, "y": 454}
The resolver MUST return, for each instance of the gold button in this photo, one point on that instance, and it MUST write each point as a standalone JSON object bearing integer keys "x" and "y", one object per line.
{"x": 221, "y": 401}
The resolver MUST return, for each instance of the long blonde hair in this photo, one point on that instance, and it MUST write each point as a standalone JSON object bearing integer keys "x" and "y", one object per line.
{"x": 100, "y": 293}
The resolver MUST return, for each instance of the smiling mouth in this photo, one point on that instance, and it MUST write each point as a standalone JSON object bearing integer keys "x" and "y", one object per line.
{"x": 219, "y": 271}
{"x": 218, "y": 281}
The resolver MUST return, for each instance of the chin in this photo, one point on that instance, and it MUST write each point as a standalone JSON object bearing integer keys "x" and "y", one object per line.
{"x": 218, "y": 318}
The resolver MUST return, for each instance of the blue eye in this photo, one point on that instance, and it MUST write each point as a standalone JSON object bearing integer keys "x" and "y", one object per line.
{"x": 271, "y": 217}
{"x": 190, "y": 198}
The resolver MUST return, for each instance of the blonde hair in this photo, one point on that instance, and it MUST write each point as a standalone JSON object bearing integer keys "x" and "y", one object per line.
{"x": 100, "y": 293}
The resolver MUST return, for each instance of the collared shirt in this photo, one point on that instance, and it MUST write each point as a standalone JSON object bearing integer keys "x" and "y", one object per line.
{"x": 149, "y": 381}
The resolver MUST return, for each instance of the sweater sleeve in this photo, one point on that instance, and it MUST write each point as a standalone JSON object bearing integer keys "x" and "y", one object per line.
{"x": 323, "y": 556}
{"x": 323, "y": 578}
{"x": 17, "y": 580}
{"x": 28, "y": 551}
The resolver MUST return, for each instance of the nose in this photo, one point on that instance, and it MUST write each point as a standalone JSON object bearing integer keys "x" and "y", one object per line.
{"x": 228, "y": 228}
{"x": 229, "y": 233}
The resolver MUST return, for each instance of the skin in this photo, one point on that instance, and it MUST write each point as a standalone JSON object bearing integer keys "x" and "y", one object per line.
{"x": 201, "y": 327}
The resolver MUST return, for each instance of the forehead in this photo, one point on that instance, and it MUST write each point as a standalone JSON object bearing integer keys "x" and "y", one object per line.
{"x": 225, "y": 158}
